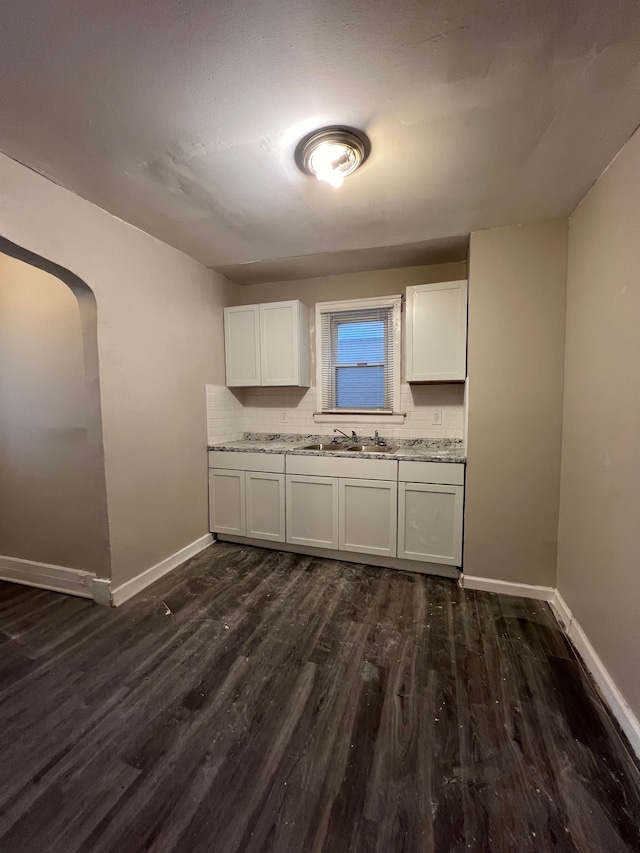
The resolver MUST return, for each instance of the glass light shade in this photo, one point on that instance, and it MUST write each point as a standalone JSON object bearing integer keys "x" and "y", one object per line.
{"x": 332, "y": 153}
{"x": 331, "y": 161}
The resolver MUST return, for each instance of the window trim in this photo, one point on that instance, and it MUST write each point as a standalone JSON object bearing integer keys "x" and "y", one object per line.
{"x": 395, "y": 303}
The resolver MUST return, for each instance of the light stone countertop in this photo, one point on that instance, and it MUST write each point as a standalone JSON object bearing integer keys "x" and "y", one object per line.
{"x": 410, "y": 450}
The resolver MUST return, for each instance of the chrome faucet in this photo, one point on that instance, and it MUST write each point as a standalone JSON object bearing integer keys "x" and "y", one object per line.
{"x": 379, "y": 442}
{"x": 354, "y": 437}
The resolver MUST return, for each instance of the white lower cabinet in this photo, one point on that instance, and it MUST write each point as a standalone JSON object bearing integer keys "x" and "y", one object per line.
{"x": 247, "y": 503}
{"x": 264, "y": 506}
{"x": 430, "y": 523}
{"x": 415, "y": 514}
{"x": 368, "y": 513}
{"x": 312, "y": 511}
{"x": 342, "y": 514}
{"x": 227, "y": 501}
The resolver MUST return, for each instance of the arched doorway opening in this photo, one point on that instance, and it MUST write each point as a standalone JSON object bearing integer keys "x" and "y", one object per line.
{"x": 53, "y": 503}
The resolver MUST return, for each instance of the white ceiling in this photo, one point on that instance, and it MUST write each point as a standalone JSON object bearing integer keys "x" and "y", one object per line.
{"x": 182, "y": 117}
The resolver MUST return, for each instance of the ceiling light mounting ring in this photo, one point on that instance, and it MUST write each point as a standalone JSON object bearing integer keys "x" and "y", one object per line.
{"x": 332, "y": 153}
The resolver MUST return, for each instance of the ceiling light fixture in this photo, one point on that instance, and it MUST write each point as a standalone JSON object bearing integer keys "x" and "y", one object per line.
{"x": 332, "y": 153}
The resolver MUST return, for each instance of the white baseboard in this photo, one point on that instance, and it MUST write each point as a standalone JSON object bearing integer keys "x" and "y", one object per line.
{"x": 561, "y": 611}
{"x": 618, "y": 705}
{"x": 627, "y": 720}
{"x": 47, "y": 576}
{"x": 522, "y": 590}
{"x": 132, "y": 587}
{"x": 101, "y": 589}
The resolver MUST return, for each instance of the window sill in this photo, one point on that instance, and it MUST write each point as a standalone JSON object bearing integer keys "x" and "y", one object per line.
{"x": 358, "y": 418}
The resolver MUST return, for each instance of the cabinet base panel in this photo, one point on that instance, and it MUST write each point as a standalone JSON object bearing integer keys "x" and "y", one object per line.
{"x": 349, "y": 556}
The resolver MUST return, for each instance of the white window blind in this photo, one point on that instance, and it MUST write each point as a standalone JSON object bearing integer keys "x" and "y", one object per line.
{"x": 358, "y": 355}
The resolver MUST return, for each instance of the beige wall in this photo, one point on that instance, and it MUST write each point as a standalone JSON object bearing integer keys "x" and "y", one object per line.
{"x": 517, "y": 288}
{"x": 159, "y": 341}
{"x": 355, "y": 285}
{"x": 599, "y": 539}
{"x": 53, "y": 505}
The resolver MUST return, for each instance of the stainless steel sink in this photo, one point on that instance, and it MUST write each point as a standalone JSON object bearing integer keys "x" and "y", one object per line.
{"x": 370, "y": 448}
{"x": 353, "y": 448}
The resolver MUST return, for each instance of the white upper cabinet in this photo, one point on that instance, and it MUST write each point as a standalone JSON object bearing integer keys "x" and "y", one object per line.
{"x": 242, "y": 345}
{"x": 267, "y": 344}
{"x": 436, "y": 332}
{"x": 285, "y": 345}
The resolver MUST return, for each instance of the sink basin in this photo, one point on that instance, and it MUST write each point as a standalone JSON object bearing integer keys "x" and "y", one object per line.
{"x": 371, "y": 448}
{"x": 327, "y": 446}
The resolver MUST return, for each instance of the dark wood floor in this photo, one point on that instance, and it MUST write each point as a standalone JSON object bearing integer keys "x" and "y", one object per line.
{"x": 258, "y": 701}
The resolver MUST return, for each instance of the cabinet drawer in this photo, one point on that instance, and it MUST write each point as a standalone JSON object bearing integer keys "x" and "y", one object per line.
{"x": 447, "y": 473}
{"x": 343, "y": 466}
{"x": 270, "y": 463}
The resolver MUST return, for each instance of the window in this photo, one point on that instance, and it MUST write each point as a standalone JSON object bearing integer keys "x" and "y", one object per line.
{"x": 358, "y": 355}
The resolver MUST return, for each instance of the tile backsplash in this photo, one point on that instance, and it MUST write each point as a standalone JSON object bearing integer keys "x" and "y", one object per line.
{"x": 230, "y": 413}
{"x": 225, "y": 414}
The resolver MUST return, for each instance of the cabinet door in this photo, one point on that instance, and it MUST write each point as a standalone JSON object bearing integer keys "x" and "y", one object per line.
{"x": 430, "y": 523}
{"x": 368, "y": 514}
{"x": 265, "y": 505}
{"x": 436, "y": 332}
{"x": 242, "y": 345}
{"x": 279, "y": 343}
{"x": 312, "y": 511}
{"x": 226, "y": 501}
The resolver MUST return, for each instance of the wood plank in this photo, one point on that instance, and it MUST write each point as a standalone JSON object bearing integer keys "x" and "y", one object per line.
{"x": 262, "y": 701}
